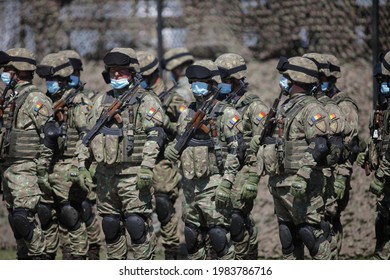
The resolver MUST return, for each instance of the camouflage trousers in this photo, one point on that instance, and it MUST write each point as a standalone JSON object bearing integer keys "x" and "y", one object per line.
{"x": 93, "y": 230}
{"x": 118, "y": 198}
{"x": 247, "y": 248}
{"x": 300, "y": 215}
{"x": 21, "y": 191}
{"x": 64, "y": 203}
{"x": 382, "y": 225}
{"x": 166, "y": 182}
{"x": 333, "y": 210}
{"x": 200, "y": 213}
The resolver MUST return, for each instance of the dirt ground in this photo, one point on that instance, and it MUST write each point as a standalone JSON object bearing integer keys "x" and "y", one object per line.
{"x": 358, "y": 219}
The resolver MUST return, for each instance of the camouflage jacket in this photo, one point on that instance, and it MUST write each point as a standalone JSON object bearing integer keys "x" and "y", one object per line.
{"x": 199, "y": 160}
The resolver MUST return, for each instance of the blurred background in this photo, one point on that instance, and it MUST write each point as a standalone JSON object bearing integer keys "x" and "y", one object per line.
{"x": 259, "y": 30}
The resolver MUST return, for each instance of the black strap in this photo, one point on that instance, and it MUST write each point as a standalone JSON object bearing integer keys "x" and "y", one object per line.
{"x": 175, "y": 56}
{"x": 224, "y": 72}
{"x": 149, "y": 66}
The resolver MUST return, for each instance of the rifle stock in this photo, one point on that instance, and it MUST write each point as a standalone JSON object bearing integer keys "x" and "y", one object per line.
{"x": 269, "y": 123}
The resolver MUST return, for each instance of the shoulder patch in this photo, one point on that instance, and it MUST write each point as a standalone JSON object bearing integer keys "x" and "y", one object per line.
{"x": 232, "y": 122}
{"x": 182, "y": 108}
{"x": 151, "y": 113}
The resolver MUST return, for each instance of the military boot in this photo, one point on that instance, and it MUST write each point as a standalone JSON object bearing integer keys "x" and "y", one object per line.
{"x": 66, "y": 253}
{"x": 171, "y": 252}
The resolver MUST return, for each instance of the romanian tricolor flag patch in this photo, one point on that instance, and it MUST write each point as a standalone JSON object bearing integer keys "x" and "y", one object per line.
{"x": 234, "y": 120}
{"x": 332, "y": 116}
{"x": 316, "y": 117}
{"x": 151, "y": 112}
{"x": 182, "y": 108}
{"x": 260, "y": 116}
{"x": 38, "y": 106}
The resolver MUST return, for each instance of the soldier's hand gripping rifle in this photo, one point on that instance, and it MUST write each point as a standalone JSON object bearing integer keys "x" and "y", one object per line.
{"x": 129, "y": 97}
{"x": 198, "y": 122}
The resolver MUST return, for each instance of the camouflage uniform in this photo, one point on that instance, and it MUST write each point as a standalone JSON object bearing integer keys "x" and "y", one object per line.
{"x": 124, "y": 172}
{"x": 378, "y": 155}
{"x": 166, "y": 178}
{"x": 90, "y": 216}
{"x": 339, "y": 133}
{"x": 210, "y": 162}
{"x": 352, "y": 144}
{"x": 25, "y": 162}
{"x": 64, "y": 205}
{"x": 293, "y": 159}
{"x": 253, "y": 111}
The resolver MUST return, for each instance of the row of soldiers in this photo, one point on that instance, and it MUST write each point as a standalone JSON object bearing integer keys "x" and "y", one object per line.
{"x": 132, "y": 148}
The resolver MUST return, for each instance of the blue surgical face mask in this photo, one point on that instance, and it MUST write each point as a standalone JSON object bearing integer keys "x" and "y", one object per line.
{"x": 52, "y": 87}
{"x": 6, "y": 78}
{"x": 324, "y": 86}
{"x": 225, "y": 88}
{"x": 144, "y": 84}
{"x": 74, "y": 81}
{"x": 199, "y": 88}
{"x": 120, "y": 83}
{"x": 283, "y": 83}
{"x": 385, "y": 89}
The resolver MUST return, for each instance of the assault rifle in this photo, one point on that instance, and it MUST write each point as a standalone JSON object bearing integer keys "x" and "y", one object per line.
{"x": 61, "y": 106}
{"x": 198, "y": 122}
{"x": 129, "y": 97}
{"x": 233, "y": 95}
{"x": 270, "y": 122}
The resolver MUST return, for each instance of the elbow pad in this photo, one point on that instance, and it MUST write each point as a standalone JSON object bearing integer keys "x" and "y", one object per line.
{"x": 336, "y": 148}
{"x": 51, "y": 132}
{"x": 241, "y": 148}
{"x": 320, "y": 150}
{"x": 160, "y": 138}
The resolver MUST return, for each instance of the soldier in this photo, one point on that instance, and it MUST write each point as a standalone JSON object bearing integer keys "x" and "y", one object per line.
{"x": 378, "y": 157}
{"x": 339, "y": 132}
{"x": 294, "y": 157}
{"x": 166, "y": 178}
{"x": 89, "y": 204}
{"x": 70, "y": 180}
{"x": 208, "y": 175}
{"x": 232, "y": 68}
{"x": 25, "y": 164}
{"x": 352, "y": 143}
{"x": 126, "y": 152}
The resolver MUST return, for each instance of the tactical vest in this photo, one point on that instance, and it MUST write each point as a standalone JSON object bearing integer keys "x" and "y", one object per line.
{"x": 20, "y": 143}
{"x": 122, "y": 143}
{"x": 294, "y": 150}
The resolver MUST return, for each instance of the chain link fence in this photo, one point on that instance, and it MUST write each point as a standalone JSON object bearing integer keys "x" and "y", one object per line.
{"x": 254, "y": 28}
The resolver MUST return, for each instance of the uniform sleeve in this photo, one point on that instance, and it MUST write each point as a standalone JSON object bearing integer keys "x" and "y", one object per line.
{"x": 80, "y": 118}
{"x": 41, "y": 111}
{"x": 152, "y": 116}
{"x": 231, "y": 125}
{"x": 256, "y": 114}
{"x": 316, "y": 124}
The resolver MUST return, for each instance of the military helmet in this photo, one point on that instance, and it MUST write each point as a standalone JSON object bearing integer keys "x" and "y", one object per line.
{"x": 203, "y": 70}
{"x": 148, "y": 62}
{"x": 334, "y": 66}
{"x": 385, "y": 64}
{"x": 19, "y": 58}
{"x": 299, "y": 69}
{"x": 54, "y": 64}
{"x": 321, "y": 62}
{"x": 74, "y": 59}
{"x": 231, "y": 65}
{"x": 122, "y": 57}
{"x": 176, "y": 57}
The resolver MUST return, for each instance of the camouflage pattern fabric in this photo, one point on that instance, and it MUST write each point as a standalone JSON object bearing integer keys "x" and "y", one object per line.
{"x": 116, "y": 181}
{"x": 20, "y": 185}
{"x": 306, "y": 210}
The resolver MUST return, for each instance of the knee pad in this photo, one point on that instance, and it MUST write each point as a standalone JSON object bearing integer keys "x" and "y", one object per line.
{"x": 44, "y": 215}
{"x": 286, "y": 234}
{"x": 87, "y": 215}
{"x": 136, "y": 227}
{"x": 69, "y": 217}
{"x": 21, "y": 226}
{"x": 191, "y": 233}
{"x": 111, "y": 226}
{"x": 310, "y": 240}
{"x": 164, "y": 208}
{"x": 219, "y": 240}
{"x": 237, "y": 226}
